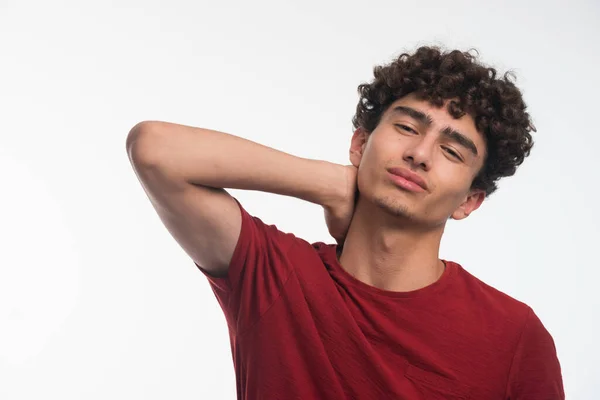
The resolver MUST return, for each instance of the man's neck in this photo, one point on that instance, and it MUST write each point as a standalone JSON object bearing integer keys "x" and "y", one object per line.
{"x": 382, "y": 252}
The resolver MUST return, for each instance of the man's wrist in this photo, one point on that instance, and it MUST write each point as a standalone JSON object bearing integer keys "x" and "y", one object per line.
{"x": 336, "y": 187}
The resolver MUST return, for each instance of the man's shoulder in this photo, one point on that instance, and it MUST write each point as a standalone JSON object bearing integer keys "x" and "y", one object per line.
{"x": 484, "y": 295}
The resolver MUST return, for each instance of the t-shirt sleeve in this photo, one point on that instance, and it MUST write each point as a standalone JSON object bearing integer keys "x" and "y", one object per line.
{"x": 259, "y": 268}
{"x": 535, "y": 372}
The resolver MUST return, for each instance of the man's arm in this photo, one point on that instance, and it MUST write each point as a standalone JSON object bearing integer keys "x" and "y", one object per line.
{"x": 184, "y": 171}
{"x": 535, "y": 372}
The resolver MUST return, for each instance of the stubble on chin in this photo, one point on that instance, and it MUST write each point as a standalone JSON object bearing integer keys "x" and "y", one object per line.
{"x": 395, "y": 207}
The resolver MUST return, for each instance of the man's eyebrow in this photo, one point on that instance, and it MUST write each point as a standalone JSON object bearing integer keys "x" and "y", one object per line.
{"x": 420, "y": 116}
{"x": 459, "y": 138}
{"x": 448, "y": 132}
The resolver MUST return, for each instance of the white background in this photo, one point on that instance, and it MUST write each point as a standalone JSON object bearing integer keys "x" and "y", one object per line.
{"x": 97, "y": 301}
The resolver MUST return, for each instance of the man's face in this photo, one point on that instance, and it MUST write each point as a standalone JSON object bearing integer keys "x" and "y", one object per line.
{"x": 416, "y": 137}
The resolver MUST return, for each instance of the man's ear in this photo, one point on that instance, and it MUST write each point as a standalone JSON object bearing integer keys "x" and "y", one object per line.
{"x": 471, "y": 203}
{"x": 357, "y": 146}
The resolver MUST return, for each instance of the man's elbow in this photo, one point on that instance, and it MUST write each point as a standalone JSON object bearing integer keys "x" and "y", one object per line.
{"x": 141, "y": 144}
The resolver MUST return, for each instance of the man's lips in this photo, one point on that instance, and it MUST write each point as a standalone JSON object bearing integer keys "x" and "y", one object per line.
{"x": 408, "y": 179}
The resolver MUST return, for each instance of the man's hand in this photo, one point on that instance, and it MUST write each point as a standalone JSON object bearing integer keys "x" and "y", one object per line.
{"x": 338, "y": 215}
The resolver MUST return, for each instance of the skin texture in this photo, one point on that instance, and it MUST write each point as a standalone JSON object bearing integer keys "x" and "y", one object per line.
{"x": 394, "y": 237}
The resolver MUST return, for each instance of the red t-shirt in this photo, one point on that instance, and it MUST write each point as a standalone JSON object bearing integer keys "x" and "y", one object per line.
{"x": 301, "y": 327}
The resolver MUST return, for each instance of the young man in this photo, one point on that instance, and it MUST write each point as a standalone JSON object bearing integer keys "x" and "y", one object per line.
{"x": 377, "y": 315}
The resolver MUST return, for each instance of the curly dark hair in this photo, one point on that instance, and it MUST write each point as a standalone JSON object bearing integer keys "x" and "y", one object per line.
{"x": 495, "y": 104}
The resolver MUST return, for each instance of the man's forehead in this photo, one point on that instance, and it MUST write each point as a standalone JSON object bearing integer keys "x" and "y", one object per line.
{"x": 414, "y": 99}
{"x": 430, "y": 111}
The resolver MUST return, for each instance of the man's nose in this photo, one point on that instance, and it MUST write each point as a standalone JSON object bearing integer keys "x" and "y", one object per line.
{"x": 419, "y": 154}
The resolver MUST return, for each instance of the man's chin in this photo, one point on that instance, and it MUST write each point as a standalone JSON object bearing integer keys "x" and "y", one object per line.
{"x": 396, "y": 208}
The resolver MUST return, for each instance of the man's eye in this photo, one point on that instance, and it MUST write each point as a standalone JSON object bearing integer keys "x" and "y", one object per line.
{"x": 452, "y": 153}
{"x": 406, "y": 128}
